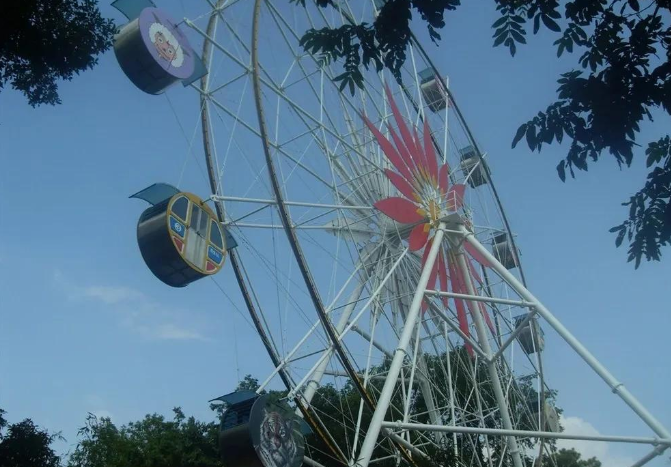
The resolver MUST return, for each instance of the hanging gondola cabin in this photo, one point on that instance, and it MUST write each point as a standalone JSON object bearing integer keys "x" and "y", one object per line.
{"x": 433, "y": 90}
{"x": 257, "y": 431}
{"x": 151, "y": 50}
{"x": 179, "y": 236}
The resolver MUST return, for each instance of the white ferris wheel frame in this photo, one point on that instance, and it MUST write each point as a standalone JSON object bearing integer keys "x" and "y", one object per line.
{"x": 453, "y": 232}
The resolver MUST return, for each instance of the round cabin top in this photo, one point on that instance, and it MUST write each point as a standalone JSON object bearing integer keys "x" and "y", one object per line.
{"x": 275, "y": 434}
{"x": 196, "y": 233}
{"x": 166, "y": 43}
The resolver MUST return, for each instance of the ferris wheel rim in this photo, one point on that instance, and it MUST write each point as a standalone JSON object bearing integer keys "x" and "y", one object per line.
{"x": 235, "y": 259}
{"x": 293, "y": 240}
{"x": 238, "y": 269}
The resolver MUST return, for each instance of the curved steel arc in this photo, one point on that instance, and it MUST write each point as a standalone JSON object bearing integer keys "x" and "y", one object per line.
{"x": 291, "y": 234}
{"x": 314, "y": 422}
{"x": 284, "y": 214}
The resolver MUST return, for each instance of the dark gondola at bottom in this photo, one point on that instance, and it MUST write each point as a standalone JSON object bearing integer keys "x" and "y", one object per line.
{"x": 257, "y": 431}
{"x": 179, "y": 236}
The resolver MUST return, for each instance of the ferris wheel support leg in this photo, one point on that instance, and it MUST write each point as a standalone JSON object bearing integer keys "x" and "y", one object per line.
{"x": 658, "y": 451}
{"x": 491, "y": 364}
{"x": 616, "y": 386}
{"x": 399, "y": 354}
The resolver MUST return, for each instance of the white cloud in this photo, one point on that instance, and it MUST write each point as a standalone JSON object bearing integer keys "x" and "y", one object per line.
{"x": 111, "y": 295}
{"x": 171, "y": 331}
{"x": 588, "y": 449}
{"x": 138, "y": 312}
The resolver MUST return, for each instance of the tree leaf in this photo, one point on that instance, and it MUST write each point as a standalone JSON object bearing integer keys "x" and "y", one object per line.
{"x": 518, "y": 37}
{"x": 550, "y": 23}
{"x": 520, "y": 133}
{"x": 561, "y": 170}
{"x": 620, "y": 237}
{"x": 500, "y": 39}
{"x": 634, "y": 5}
{"x": 537, "y": 23}
{"x": 499, "y": 22}
{"x": 531, "y": 136}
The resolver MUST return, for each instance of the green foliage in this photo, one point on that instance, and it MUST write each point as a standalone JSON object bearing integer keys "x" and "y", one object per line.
{"x": 649, "y": 223}
{"x": 43, "y": 41}
{"x": 24, "y": 444}
{"x": 151, "y": 442}
{"x": 381, "y": 44}
{"x": 334, "y": 405}
{"x": 248, "y": 383}
{"x": 623, "y": 72}
{"x": 572, "y": 458}
{"x": 186, "y": 442}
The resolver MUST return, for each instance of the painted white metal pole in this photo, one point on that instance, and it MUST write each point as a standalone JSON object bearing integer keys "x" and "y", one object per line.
{"x": 650, "y": 456}
{"x": 450, "y": 387}
{"x": 616, "y": 386}
{"x": 491, "y": 365}
{"x": 317, "y": 376}
{"x": 375, "y": 426}
{"x": 526, "y": 434}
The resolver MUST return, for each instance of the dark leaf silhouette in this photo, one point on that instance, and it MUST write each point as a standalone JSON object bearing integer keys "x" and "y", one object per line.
{"x": 44, "y": 41}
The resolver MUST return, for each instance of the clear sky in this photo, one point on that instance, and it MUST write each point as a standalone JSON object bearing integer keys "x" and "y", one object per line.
{"x": 86, "y": 328}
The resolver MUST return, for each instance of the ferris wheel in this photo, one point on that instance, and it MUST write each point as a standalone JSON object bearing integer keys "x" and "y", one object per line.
{"x": 368, "y": 241}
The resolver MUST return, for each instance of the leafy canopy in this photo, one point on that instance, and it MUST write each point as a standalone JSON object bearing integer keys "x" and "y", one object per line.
{"x": 622, "y": 74}
{"x": 25, "y": 444}
{"x": 43, "y": 41}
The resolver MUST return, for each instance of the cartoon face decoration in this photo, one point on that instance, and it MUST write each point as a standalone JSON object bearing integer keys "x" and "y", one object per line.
{"x": 166, "y": 50}
{"x": 166, "y": 43}
{"x": 152, "y": 50}
{"x": 277, "y": 447}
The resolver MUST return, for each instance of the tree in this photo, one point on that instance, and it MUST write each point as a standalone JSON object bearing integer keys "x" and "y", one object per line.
{"x": 151, "y": 442}
{"x": 43, "y": 41}
{"x": 622, "y": 74}
{"x": 24, "y": 444}
{"x": 572, "y": 458}
{"x": 157, "y": 442}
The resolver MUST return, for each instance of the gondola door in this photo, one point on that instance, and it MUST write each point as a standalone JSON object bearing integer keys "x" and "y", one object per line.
{"x": 196, "y": 239}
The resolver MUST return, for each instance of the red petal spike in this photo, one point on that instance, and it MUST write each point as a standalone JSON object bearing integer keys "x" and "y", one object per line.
{"x": 455, "y": 197}
{"x": 389, "y": 150}
{"x": 429, "y": 151}
{"x": 419, "y": 154}
{"x": 403, "y": 128}
{"x": 418, "y": 237}
{"x": 403, "y": 151}
{"x": 401, "y": 184}
{"x": 399, "y": 209}
{"x": 444, "y": 178}
{"x": 476, "y": 255}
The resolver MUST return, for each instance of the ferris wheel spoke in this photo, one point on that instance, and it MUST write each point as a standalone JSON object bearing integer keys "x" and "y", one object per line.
{"x": 363, "y": 266}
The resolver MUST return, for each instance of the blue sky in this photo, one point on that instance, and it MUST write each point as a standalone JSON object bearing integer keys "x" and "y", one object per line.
{"x": 87, "y": 328}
